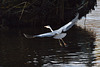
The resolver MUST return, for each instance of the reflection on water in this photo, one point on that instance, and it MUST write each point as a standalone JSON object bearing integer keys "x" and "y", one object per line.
{"x": 17, "y": 51}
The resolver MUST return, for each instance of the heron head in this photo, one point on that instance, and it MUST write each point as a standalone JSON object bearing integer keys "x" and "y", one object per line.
{"x": 47, "y": 26}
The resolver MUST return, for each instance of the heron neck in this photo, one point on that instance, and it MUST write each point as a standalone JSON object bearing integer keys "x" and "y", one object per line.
{"x": 51, "y": 29}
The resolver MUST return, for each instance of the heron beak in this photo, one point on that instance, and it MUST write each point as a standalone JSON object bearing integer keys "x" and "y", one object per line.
{"x": 46, "y": 26}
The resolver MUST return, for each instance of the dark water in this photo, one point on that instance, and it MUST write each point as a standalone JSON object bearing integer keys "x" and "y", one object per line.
{"x": 17, "y": 51}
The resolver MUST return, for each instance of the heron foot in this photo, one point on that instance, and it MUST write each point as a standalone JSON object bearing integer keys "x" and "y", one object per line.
{"x": 60, "y": 43}
{"x": 65, "y": 44}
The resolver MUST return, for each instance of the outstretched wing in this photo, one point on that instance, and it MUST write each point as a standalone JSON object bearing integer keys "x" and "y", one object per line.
{"x": 49, "y": 34}
{"x": 69, "y": 25}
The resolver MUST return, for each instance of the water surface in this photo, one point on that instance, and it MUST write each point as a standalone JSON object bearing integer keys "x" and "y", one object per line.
{"x": 18, "y": 51}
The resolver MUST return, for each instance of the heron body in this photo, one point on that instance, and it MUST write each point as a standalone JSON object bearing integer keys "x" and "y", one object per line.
{"x": 57, "y": 34}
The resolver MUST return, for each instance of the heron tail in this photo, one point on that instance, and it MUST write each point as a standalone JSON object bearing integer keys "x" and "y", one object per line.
{"x": 28, "y": 36}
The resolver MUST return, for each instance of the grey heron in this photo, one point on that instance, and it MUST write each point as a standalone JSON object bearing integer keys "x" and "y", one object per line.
{"x": 57, "y": 34}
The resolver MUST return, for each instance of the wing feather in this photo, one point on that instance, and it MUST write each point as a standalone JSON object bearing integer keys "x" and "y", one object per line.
{"x": 49, "y": 34}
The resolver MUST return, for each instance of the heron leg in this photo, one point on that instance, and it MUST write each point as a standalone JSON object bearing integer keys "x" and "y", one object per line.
{"x": 63, "y": 42}
{"x": 60, "y": 43}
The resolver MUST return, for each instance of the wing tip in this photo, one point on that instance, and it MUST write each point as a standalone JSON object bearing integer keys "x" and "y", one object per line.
{"x": 28, "y": 36}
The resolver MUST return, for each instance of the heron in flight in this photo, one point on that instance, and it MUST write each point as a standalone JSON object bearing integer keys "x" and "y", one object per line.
{"x": 57, "y": 34}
